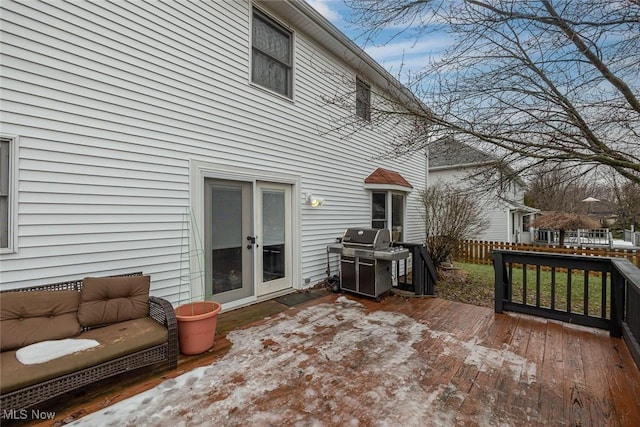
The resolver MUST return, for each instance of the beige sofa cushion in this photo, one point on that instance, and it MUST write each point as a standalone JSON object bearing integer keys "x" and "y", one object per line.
{"x": 107, "y": 300}
{"x": 115, "y": 340}
{"x": 30, "y": 317}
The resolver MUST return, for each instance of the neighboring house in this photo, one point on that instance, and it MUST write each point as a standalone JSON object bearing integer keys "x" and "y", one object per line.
{"x": 459, "y": 164}
{"x": 191, "y": 141}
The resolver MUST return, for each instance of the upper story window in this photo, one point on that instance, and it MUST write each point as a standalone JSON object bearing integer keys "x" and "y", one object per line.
{"x": 363, "y": 100}
{"x": 272, "y": 55}
{"x": 8, "y": 147}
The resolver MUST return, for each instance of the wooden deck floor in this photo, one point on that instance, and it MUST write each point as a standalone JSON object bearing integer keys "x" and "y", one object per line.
{"x": 571, "y": 375}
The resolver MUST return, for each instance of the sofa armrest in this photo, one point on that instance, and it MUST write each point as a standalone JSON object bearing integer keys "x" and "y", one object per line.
{"x": 162, "y": 311}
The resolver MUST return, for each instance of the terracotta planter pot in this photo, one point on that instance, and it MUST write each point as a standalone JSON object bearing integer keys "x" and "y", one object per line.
{"x": 197, "y": 326}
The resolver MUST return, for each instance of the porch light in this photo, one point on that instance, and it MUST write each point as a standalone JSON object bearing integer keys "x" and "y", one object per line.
{"x": 313, "y": 201}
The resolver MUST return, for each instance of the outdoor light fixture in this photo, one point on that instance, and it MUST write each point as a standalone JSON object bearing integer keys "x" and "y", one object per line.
{"x": 313, "y": 201}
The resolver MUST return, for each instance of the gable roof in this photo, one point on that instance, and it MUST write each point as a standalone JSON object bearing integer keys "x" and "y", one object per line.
{"x": 387, "y": 177}
{"x": 447, "y": 153}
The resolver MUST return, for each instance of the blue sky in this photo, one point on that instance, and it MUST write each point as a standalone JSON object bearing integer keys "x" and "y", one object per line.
{"x": 408, "y": 53}
{"x": 403, "y": 53}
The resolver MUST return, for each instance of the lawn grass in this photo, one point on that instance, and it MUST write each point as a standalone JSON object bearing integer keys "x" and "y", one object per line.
{"x": 575, "y": 298}
{"x": 474, "y": 284}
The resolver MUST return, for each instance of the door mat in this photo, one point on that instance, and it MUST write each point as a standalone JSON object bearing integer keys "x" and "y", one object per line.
{"x": 299, "y": 297}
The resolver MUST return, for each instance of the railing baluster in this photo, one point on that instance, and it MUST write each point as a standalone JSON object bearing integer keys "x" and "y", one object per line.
{"x": 603, "y": 298}
{"x": 524, "y": 283}
{"x": 537, "y": 285}
{"x": 586, "y": 292}
{"x": 569, "y": 272}
{"x": 509, "y": 292}
{"x": 501, "y": 281}
{"x": 553, "y": 288}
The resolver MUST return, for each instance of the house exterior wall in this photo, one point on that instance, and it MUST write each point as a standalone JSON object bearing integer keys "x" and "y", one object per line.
{"x": 492, "y": 206}
{"x": 113, "y": 102}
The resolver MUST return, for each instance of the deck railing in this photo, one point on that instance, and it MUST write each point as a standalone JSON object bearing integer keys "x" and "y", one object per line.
{"x": 592, "y": 291}
{"x": 581, "y": 237}
{"x": 422, "y": 280}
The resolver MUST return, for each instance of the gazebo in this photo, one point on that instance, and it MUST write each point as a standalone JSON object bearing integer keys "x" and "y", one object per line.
{"x": 563, "y": 221}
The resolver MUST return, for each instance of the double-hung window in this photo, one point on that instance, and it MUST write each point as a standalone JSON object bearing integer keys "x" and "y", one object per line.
{"x": 272, "y": 55}
{"x": 8, "y": 147}
{"x": 363, "y": 100}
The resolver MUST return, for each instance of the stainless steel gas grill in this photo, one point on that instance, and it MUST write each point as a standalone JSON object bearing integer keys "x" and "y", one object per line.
{"x": 366, "y": 257}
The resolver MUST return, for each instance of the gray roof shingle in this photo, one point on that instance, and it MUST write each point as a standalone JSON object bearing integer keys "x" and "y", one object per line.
{"x": 449, "y": 152}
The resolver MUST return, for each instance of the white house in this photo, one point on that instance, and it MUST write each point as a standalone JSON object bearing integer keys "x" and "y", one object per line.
{"x": 191, "y": 141}
{"x": 459, "y": 164}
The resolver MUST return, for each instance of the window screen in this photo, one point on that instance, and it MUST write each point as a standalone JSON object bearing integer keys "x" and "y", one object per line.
{"x": 271, "y": 64}
{"x": 363, "y": 100}
{"x": 5, "y": 176}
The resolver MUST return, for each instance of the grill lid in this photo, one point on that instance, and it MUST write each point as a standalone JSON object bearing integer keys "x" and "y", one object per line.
{"x": 367, "y": 238}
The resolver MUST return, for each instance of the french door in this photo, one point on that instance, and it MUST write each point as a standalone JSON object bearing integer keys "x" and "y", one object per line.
{"x": 273, "y": 227}
{"x": 248, "y": 248}
{"x": 228, "y": 240}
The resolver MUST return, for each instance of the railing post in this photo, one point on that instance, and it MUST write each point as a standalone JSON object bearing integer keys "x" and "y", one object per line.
{"x": 429, "y": 272}
{"x": 617, "y": 303}
{"x": 498, "y": 268}
{"x": 418, "y": 271}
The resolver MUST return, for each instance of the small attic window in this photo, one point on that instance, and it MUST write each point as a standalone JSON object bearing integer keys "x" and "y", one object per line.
{"x": 363, "y": 100}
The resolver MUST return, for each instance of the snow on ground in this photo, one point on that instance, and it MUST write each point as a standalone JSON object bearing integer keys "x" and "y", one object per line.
{"x": 327, "y": 365}
{"x": 621, "y": 244}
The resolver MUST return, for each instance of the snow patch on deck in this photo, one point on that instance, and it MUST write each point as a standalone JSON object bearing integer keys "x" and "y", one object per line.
{"x": 330, "y": 364}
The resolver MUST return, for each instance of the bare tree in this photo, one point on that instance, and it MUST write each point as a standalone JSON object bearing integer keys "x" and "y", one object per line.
{"x": 538, "y": 81}
{"x": 562, "y": 190}
{"x": 626, "y": 195}
{"x": 451, "y": 215}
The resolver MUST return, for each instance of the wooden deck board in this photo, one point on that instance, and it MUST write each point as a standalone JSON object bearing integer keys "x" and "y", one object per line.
{"x": 622, "y": 377}
{"x": 501, "y": 369}
{"x": 529, "y": 341}
{"x": 578, "y": 402}
{"x": 600, "y": 409}
{"x": 552, "y": 392}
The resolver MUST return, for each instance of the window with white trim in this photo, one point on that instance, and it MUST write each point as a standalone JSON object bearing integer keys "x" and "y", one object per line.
{"x": 271, "y": 55}
{"x": 387, "y": 211}
{"x": 8, "y": 147}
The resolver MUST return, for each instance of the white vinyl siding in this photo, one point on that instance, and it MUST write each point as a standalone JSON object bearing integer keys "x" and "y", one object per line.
{"x": 492, "y": 207}
{"x": 112, "y": 100}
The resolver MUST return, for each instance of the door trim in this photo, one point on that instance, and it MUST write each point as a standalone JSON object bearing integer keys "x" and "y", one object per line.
{"x": 200, "y": 169}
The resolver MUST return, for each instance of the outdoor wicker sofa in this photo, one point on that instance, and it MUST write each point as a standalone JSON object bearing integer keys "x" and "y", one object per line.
{"x": 106, "y": 316}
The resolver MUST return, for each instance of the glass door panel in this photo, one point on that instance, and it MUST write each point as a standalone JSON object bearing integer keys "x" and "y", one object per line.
{"x": 273, "y": 235}
{"x": 397, "y": 217}
{"x": 228, "y": 245}
{"x": 274, "y": 231}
